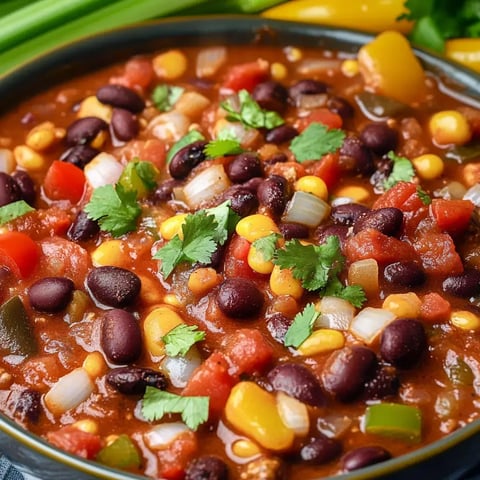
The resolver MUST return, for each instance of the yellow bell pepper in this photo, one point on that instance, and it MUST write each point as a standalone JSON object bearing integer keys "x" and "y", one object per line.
{"x": 465, "y": 51}
{"x": 369, "y": 15}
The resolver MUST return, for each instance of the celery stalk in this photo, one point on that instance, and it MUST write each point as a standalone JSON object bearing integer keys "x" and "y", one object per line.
{"x": 9, "y": 6}
{"x": 231, "y": 6}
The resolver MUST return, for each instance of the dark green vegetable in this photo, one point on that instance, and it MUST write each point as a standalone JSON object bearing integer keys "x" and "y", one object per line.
{"x": 122, "y": 453}
{"x": 459, "y": 373}
{"x": 464, "y": 153}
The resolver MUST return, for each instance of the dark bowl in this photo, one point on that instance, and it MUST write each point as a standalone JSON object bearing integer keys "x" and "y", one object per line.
{"x": 450, "y": 458}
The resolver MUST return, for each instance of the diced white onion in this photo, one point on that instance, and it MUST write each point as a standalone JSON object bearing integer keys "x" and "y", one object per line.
{"x": 334, "y": 425}
{"x": 179, "y": 369}
{"x": 7, "y": 161}
{"x": 311, "y": 66}
{"x": 364, "y": 273}
{"x": 312, "y": 100}
{"x": 69, "y": 391}
{"x": 161, "y": 436}
{"x": 453, "y": 190}
{"x": 209, "y": 60}
{"x": 294, "y": 414}
{"x": 306, "y": 209}
{"x": 169, "y": 126}
{"x": 245, "y": 136}
{"x": 473, "y": 194}
{"x": 104, "y": 169}
{"x": 370, "y": 322}
{"x": 336, "y": 313}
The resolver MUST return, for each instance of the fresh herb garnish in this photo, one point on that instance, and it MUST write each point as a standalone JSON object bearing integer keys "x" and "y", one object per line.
{"x": 424, "y": 196}
{"x": 139, "y": 176}
{"x": 164, "y": 97}
{"x": 302, "y": 326}
{"x": 351, "y": 293}
{"x": 250, "y": 114}
{"x": 156, "y": 403}
{"x": 180, "y": 339}
{"x": 315, "y": 141}
{"x": 226, "y": 220}
{"x": 402, "y": 171}
{"x": 13, "y": 210}
{"x": 220, "y": 148}
{"x": 267, "y": 245}
{"x": 227, "y": 133}
{"x": 190, "y": 137}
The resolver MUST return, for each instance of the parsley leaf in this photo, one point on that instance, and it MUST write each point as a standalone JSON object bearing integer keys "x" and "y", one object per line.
{"x": 267, "y": 245}
{"x": 424, "y": 196}
{"x": 13, "y": 210}
{"x": 302, "y": 326}
{"x": 190, "y": 137}
{"x": 250, "y": 113}
{"x": 402, "y": 171}
{"x": 115, "y": 209}
{"x": 315, "y": 141}
{"x": 220, "y": 148}
{"x": 179, "y": 340}
{"x": 156, "y": 403}
{"x": 139, "y": 176}
{"x": 166, "y": 96}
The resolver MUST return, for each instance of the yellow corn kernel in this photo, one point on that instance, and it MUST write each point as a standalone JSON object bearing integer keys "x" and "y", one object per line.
{"x": 172, "y": 300}
{"x": 110, "y": 252}
{"x": 87, "y": 425}
{"x": 465, "y": 320}
{"x": 172, "y": 226}
{"x": 293, "y": 54}
{"x": 245, "y": 448}
{"x": 278, "y": 71}
{"x": 257, "y": 261}
{"x": 322, "y": 341}
{"x": 202, "y": 280}
{"x": 403, "y": 304}
{"x": 312, "y": 184}
{"x": 99, "y": 140}
{"x": 350, "y": 68}
{"x": 253, "y": 411}
{"x": 29, "y": 159}
{"x": 151, "y": 292}
{"x": 364, "y": 273}
{"x": 356, "y": 193}
{"x": 95, "y": 365}
{"x": 77, "y": 307}
{"x": 449, "y": 127}
{"x": 42, "y": 136}
{"x": 92, "y": 107}
{"x": 282, "y": 282}
{"x": 256, "y": 226}
{"x": 428, "y": 166}
{"x": 192, "y": 104}
{"x": 156, "y": 325}
{"x": 170, "y": 65}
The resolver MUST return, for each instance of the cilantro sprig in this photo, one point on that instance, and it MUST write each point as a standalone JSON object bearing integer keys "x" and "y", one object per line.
{"x": 222, "y": 147}
{"x": 402, "y": 171}
{"x": 190, "y": 137}
{"x": 164, "y": 96}
{"x": 302, "y": 326}
{"x": 14, "y": 210}
{"x": 180, "y": 339}
{"x": 267, "y": 246}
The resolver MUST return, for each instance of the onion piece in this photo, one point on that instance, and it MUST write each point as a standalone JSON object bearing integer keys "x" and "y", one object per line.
{"x": 473, "y": 194}
{"x": 209, "y": 60}
{"x": 179, "y": 369}
{"x": 336, "y": 313}
{"x": 364, "y": 273}
{"x": 312, "y": 100}
{"x": 334, "y": 425}
{"x": 7, "y": 161}
{"x": 161, "y": 436}
{"x": 306, "y": 209}
{"x": 294, "y": 414}
{"x": 103, "y": 169}
{"x": 310, "y": 66}
{"x": 69, "y": 391}
{"x": 169, "y": 126}
{"x": 370, "y": 322}
{"x": 454, "y": 190}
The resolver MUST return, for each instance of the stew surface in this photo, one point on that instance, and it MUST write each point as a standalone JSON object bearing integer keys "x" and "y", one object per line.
{"x": 242, "y": 262}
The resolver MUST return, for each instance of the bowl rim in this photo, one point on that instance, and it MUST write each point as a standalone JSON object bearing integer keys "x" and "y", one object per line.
{"x": 214, "y": 25}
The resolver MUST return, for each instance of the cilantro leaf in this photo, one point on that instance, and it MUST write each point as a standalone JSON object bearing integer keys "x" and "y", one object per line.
{"x": 250, "y": 113}
{"x": 115, "y": 209}
{"x": 302, "y": 326}
{"x": 220, "y": 148}
{"x": 351, "y": 293}
{"x": 226, "y": 220}
{"x": 402, "y": 171}
{"x": 315, "y": 141}
{"x": 190, "y": 137}
{"x": 13, "y": 210}
{"x": 156, "y": 403}
{"x": 227, "y": 133}
{"x": 164, "y": 97}
{"x": 424, "y": 196}
{"x": 267, "y": 245}
{"x": 179, "y": 340}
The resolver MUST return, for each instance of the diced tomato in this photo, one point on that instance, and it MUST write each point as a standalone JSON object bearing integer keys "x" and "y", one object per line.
{"x": 320, "y": 115}
{"x": 64, "y": 181}
{"x": 236, "y": 262}
{"x": 139, "y": 71}
{"x": 174, "y": 460}
{"x": 19, "y": 253}
{"x": 78, "y": 442}
{"x": 328, "y": 169}
{"x": 434, "y": 308}
{"x": 292, "y": 170}
{"x": 403, "y": 195}
{"x": 246, "y": 75}
{"x": 248, "y": 351}
{"x": 452, "y": 216}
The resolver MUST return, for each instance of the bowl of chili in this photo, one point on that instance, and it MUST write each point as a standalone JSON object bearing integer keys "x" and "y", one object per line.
{"x": 262, "y": 233}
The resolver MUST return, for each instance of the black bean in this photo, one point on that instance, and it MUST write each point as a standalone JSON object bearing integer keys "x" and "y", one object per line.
{"x": 297, "y": 381}
{"x": 379, "y": 138}
{"x": 348, "y": 213}
{"x": 113, "y": 286}
{"x": 164, "y": 191}
{"x": 355, "y": 156}
{"x": 388, "y": 220}
{"x": 385, "y": 383}
{"x": 28, "y": 405}
{"x": 216, "y": 258}
{"x": 243, "y": 167}
{"x": 79, "y": 155}
{"x": 26, "y": 185}
{"x": 253, "y": 184}
{"x": 206, "y": 467}
{"x": 121, "y": 338}
{"x": 466, "y": 284}
{"x": 346, "y": 371}
{"x": 341, "y": 107}
{"x": 272, "y": 194}
{"x": 271, "y": 95}
{"x": 324, "y": 231}
{"x": 293, "y": 230}
{"x": 121, "y": 97}
{"x": 383, "y": 168}
{"x": 239, "y": 298}
{"x": 242, "y": 201}
{"x": 306, "y": 87}
{"x": 82, "y": 228}
{"x": 124, "y": 124}
{"x": 364, "y": 456}
{"x": 278, "y": 157}
{"x": 403, "y": 342}
{"x": 84, "y": 130}
{"x": 320, "y": 450}
{"x": 283, "y": 133}
{"x": 277, "y": 325}
{"x": 51, "y": 294}
{"x": 135, "y": 380}
{"x": 9, "y": 189}
{"x": 186, "y": 159}
{"x": 407, "y": 274}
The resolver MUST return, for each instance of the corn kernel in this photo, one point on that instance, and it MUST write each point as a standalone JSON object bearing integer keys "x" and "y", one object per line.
{"x": 151, "y": 292}
{"x": 278, "y": 71}
{"x": 245, "y": 448}
{"x": 257, "y": 261}
{"x": 312, "y": 184}
{"x": 449, "y": 127}
{"x": 321, "y": 341}
{"x": 356, "y": 193}
{"x": 7, "y": 161}
{"x": 28, "y": 158}
{"x": 41, "y": 137}
{"x": 99, "y": 140}
{"x": 403, "y": 304}
{"x": 192, "y": 104}
{"x": 170, "y": 65}
{"x": 465, "y": 320}
{"x": 92, "y": 107}
{"x": 282, "y": 282}
{"x": 350, "y": 68}
{"x": 428, "y": 166}
{"x": 172, "y": 226}
{"x": 202, "y": 280}
{"x": 77, "y": 307}
{"x": 293, "y": 54}
{"x": 87, "y": 425}
{"x": 110, "y": 252}
{"x": 172, "y": 300}
{"x": 95, "y": 365}
{"x": 256, "y": 226}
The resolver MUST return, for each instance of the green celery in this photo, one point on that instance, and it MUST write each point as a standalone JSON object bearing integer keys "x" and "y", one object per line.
{"x": 9, "y": 6}
{"x": 231, "y": 6}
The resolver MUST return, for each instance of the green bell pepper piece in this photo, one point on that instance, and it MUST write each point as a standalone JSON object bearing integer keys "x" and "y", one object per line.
{"x": 121, "y": 453}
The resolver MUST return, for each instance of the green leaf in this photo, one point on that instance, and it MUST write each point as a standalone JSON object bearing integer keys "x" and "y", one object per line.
{"x": 351, "y": 293}
{"x": 402, "y": 171}
{"x": 424, "y": 196}
{"x": 227, "y": 133}
{"x": 190, "y": 137}
{"x": 165, "y": 96}
{"x": 14, "y": 210}
{"x": 302, "y": 326}
{"x": 157, "y": 403}
{"x": 220, "y": 148}
{"x": 139, "y": 176}
{"x": 267, "y": 246}
{"x": 426, "y": 33}
{"x": 226, "y": 220}
{"x": 315, "y": 141}
{"x": 180, "y": 339}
